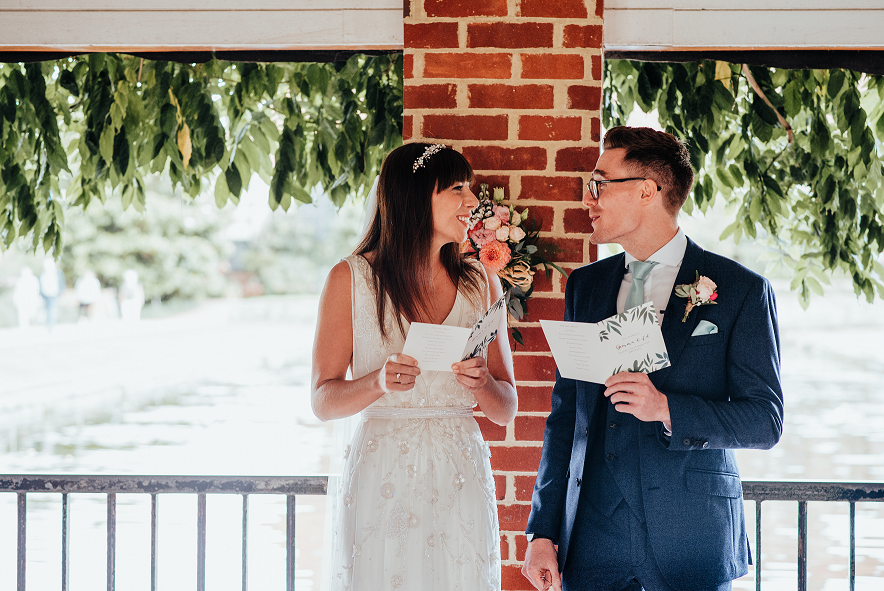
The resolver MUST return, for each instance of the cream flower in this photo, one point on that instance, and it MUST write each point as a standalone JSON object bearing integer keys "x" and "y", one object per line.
{"x": 516, "y": 233}
{"x": 705, "y": 288}
{"x": 491, "y": 223}
{"x": 502, "y": 233}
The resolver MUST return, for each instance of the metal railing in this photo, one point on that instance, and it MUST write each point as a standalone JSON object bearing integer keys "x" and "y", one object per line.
{"x": 157, "y": 485}
{"x": 804, "y": 492}
{"x": 759, "y": 491}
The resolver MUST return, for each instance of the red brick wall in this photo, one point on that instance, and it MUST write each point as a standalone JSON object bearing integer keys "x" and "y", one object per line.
{"x": 516, "y": 86}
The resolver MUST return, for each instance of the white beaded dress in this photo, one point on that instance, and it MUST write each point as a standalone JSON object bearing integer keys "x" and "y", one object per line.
{"x": 416, "y": 506}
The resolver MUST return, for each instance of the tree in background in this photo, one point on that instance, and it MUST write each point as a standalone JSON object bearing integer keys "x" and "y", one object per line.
{"x": 293, "y": 254}
{"x": 176, "y": 246}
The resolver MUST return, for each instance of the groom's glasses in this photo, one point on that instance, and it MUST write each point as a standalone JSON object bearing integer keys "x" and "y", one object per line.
{"x": 593, "y": 185}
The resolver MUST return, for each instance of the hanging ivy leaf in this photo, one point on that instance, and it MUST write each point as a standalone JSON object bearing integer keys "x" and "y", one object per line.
{"x": 818, "y": 200}
{"x": 92, "y": 127}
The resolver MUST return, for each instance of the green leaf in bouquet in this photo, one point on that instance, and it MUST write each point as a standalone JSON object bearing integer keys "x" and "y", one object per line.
{"x": 517, "y": 336}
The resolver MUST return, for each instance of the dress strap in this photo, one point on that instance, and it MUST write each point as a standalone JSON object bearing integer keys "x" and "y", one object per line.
{"x": 398, "y": 412}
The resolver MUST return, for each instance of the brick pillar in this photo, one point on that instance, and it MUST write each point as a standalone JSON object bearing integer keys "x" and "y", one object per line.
{"x": 515, "y": 85}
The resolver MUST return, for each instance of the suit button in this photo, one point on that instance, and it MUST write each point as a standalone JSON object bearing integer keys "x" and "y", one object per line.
{"x": 705, "y": 444}
{"x": 611, "y": 457}
{"x": 613, "y": 425}
{"x": 686, "y": 441}
{"x": 578, "y": 481}
{"x": 586, "y": 432}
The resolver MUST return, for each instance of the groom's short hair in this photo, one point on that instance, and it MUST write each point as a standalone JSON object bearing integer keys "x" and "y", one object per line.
{"x": 656, "y": 155}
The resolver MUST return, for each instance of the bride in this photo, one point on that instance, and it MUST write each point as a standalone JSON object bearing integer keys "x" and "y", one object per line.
{"x": 417, "y": 505}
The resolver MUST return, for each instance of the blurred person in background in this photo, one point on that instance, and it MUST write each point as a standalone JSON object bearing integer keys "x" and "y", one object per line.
{"x": 88, "y": 290}
{"x": 26, "y": 296}
{"x": 131, "y": 296}
{"x": 52, "y": 284}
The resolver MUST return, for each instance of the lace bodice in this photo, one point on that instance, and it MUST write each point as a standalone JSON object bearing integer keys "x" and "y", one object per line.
{"x": 370, "y": 350}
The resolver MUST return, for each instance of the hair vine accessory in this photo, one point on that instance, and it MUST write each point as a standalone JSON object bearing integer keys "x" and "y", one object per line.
{"x": 431, "y": 149}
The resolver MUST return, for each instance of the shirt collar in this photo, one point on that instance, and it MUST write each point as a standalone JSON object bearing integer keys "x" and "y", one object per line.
{"x": 671, "y": 254}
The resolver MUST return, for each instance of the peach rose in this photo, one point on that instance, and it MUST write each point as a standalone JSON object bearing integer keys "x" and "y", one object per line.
{"x": 516, "y": 233}
{"x": 705, "y": 288}
{"x": 502, "y": 233}
{"x": 491, "y": 223}
{"x": 495, "y": 255}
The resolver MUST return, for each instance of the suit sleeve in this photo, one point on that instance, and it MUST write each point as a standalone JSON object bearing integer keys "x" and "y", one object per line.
{"x": 750, "y": 414}
{"x": 551, "y": 486}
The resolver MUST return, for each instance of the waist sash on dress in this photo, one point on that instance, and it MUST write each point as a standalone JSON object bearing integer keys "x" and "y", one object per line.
{"x": 398, "y": 412}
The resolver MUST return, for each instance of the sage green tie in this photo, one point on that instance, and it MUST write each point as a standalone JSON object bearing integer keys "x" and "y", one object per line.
{"x": 640, "y": 270}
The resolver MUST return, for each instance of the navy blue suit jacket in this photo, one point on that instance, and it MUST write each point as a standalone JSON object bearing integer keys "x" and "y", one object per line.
{"x": 724, "y": 393}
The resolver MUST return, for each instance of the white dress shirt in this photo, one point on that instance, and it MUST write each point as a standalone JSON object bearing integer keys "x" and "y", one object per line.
{"x": 661, "y": 280}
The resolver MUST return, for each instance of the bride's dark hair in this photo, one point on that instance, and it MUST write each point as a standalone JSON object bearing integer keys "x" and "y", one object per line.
{"x": 401, "y": 232}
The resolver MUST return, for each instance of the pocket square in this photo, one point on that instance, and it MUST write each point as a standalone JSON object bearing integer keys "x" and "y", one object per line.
{"x": 704, "y": 327}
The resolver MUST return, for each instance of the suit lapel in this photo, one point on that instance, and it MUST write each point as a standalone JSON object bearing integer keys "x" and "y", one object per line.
{"x": 603, "y": 301}
{"x": 675, "y": 332}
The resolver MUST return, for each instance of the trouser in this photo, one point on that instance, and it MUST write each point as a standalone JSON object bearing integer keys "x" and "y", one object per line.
{"x": 613, "y": 554}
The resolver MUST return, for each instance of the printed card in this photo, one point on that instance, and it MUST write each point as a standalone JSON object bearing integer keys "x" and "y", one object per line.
{"x": 593, "y": 352}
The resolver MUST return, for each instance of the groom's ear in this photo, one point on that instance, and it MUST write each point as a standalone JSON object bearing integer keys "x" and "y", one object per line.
{"x": 649, "y": 190}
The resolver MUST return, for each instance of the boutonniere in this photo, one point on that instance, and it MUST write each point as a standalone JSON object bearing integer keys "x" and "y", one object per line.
{"x": 699, "y": 293}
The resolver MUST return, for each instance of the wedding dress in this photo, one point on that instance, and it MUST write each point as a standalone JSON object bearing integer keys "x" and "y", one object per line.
{"x": 416, "y": 503}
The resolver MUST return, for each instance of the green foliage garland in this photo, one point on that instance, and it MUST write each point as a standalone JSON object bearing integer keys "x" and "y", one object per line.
{"x": 817, "y": 200}
{"x": 93, "y": 126}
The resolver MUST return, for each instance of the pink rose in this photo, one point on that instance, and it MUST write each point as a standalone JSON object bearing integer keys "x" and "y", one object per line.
{"x": 516, "y": 233}
{"x": 502, "y": 233}
{"x": 502, "y": 213}
{"x": 491, "y": 223}
{"x": 482, "y": 237}
{"x": 705, "y": 288}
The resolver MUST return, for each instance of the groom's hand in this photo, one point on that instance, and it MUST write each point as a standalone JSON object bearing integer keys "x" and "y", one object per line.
{"x": 634, "y": 393}
{"x": 541, "y": 565}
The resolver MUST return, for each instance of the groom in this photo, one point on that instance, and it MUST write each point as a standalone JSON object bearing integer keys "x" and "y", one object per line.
{"x": 638, "y": 485}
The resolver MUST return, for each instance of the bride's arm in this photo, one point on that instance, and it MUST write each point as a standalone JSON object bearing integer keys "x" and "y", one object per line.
{"x": 332, "y": 395}
{"x": 492, "y": 382}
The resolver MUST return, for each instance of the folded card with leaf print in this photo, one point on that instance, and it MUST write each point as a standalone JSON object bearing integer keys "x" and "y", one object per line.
{"x": 438, "y": 346}
{"x": 593, "y": 352}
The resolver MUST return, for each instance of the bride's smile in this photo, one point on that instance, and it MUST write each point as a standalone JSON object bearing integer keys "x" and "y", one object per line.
{"x": 451, "y": 213}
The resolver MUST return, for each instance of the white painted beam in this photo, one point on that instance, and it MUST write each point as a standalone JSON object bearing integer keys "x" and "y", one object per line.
{"x": 686, "y": 25}
{"x": 168, "y": 25}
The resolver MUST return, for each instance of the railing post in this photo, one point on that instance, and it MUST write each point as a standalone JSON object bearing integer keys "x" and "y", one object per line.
{"x": 245, "y": 542}
{"x": 802, "y": 545}
{"x": 111, "y": 539}
{"x": 852, "y": 546}
{"x": 22, "y": 538}
{"x": 201, "y": 543}
{"x": 290, "y": 543}
{"x": 65, "y": 543}
{"x": 758, "y": 545}
{"x": 154, "y": 543}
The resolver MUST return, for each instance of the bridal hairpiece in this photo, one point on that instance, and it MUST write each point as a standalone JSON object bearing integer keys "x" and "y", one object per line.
{"x": 431, "y": 149}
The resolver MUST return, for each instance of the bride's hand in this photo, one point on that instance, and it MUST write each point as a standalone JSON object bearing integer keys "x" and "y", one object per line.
{"x": 472, "y": 373}
{"x": 399, "y": 373}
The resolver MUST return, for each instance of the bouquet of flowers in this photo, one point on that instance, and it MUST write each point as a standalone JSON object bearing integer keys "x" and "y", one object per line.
{"x": 499, "y": 239}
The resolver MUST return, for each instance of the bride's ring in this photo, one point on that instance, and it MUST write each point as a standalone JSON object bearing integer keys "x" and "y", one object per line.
{"x": 397, "y": 379}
